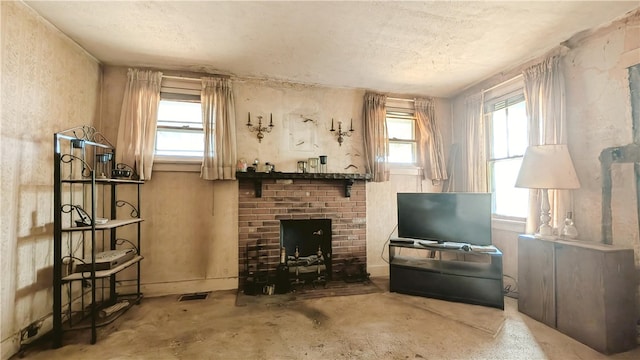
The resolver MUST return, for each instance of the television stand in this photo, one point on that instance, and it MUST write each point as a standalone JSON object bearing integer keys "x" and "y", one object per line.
{"x": 447, "y": 273}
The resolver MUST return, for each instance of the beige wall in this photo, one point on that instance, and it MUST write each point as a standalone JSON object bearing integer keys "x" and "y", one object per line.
{"x": 49, "y": 84}
{"x": 190, "y": 231}
{"x": 598, "y": 117}
{"x": 598, "y": 113}
{"x": 381, "y": 200}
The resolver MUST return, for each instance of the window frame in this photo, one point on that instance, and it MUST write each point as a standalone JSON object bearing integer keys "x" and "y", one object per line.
{"x": 402, "y": 109}
{"x": 183, "y": 90}
{"x": 502, "y": 98}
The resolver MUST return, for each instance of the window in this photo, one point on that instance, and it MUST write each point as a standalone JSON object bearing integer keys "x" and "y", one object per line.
{"x": 179, "y": 130}
{"x": 507, "y": 120}
{"x": 179, "y": 134}
{"x": 401, "y": 131}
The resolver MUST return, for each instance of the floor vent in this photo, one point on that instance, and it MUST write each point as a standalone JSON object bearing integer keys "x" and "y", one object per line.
{"x": 194, "y": 296}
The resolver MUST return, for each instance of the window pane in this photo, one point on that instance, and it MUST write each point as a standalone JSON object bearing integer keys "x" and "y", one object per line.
{"x": 400, "y": 152}
{"x": 518, "y": 138}
{"x": 179, "y": 131}
{"x": 400, "y": 129}
{"x": 181, "y": 124}
{"x": 179, "y": 143}
{"x": 499, "y": 146}
{"x": 507, "y": 199}
{"x": 179, "y": 112}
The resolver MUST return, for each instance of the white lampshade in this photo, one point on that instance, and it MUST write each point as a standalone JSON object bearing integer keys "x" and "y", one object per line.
{"x": 547, "y": 167}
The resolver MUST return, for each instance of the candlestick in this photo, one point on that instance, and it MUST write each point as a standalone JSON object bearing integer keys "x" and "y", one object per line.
{"x": 261, "y": 130}
{"x": 271, "y": 120}
{"x": 342, "y": 134}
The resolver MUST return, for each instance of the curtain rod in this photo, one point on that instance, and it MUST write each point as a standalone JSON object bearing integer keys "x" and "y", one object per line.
{"x": 400, "y": 99}
{"x": 180, "y": 77}
{"x": 502, "y": 83}
{"x": 191, "y": 75}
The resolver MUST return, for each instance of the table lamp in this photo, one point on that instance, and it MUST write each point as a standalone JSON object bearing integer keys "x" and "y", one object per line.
{"x": 547, "y": 167}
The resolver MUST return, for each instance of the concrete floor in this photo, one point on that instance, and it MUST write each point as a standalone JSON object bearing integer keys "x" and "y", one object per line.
{"x": 382, "y": 325}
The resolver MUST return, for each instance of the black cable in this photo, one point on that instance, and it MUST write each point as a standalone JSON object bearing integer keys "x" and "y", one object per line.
{"x": 120, "y": 241}
{"x": 385, "y": 244}
{"x": 507, "y": 288}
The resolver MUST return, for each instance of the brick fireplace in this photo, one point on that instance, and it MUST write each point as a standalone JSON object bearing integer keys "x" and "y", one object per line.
{"x": 342, "y": 201}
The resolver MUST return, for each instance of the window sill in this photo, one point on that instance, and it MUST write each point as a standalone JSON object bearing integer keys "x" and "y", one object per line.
{"x": 516, "y": 225}
{"x": 404, "y": 170}
{"x": 175, "y": 164}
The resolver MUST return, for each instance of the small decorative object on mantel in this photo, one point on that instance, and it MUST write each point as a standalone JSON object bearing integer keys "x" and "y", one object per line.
{"x": 313, "y": 165}
{"x": 260, "y": 129}
{"x": 341, "y": 134}
{"x": 302, "y": 166}
{"x": 242, "y": 165}
{"x": 323, "y": 164}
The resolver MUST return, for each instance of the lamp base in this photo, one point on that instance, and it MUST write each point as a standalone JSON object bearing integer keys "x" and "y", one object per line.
{"x": 545, "y": 232}
{"x": 545, "y": 237}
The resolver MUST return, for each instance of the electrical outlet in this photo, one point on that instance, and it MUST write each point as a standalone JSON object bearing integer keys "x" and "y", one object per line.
{"x": 32, "y": 331}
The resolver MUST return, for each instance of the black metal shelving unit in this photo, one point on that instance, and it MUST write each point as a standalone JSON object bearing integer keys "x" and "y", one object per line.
{"x": 83, "y": 164}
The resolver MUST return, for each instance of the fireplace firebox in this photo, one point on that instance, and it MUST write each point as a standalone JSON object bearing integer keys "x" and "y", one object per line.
{"x": 309, "y": 240}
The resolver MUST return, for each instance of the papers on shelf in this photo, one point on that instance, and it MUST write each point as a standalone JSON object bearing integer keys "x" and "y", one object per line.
{"x": 480, "y": 248}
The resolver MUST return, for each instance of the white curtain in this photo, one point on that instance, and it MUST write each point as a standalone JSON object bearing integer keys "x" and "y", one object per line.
{"x": 430, "y": 148}
{"x": 376, "y": 143}
{"x": 138, "y": 118}
{"x": 449, "y": 185}
{"x": 474, "y": 175}
{"x": 545, "y": 99}
{"x": 219, "y": 122}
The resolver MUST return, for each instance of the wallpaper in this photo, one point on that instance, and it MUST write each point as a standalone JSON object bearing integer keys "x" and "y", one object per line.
{"x": 49, "y": 84}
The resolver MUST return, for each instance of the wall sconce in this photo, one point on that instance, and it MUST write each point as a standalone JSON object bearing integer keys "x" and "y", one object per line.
{"x": 341, "y": 134}
{"x": 260, "y": 129}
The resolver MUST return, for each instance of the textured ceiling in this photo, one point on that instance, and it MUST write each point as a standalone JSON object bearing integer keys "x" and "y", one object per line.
{"x": 434, "y": 48}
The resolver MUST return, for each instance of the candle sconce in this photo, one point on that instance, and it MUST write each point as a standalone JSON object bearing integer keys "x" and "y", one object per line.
{"x": 341, "y": 134}
{"x": 260, "y": 129}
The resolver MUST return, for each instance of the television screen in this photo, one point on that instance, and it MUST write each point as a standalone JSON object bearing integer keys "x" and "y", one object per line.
{"x": 445, "y": 217}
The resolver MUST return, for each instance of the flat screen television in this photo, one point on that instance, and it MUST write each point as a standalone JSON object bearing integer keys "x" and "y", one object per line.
{"x": 445, "y": 217}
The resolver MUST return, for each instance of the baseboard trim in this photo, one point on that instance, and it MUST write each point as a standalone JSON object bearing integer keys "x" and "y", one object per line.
{"x": 188, "y": 286}
{"x": 10, "y": 346}
{"x": 378, "y": 270}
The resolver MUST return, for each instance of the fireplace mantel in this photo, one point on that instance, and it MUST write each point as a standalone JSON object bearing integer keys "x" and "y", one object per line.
{"x": 257, "y": 178}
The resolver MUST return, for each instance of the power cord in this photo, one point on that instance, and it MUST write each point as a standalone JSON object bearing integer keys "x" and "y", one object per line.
{"x": 120, "y": 241}
{"x": 508, "y": 290}
{"x": 387, "y": 242}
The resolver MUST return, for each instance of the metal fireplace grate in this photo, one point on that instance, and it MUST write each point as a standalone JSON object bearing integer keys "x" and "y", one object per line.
{"x": 194, "y": 296}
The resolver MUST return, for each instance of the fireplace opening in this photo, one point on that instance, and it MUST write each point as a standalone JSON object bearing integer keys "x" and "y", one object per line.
{"x": 307, "y": 244}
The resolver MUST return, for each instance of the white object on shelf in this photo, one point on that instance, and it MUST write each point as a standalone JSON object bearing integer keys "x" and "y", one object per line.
{"x": 114, "y": 308}
{"x": 102, "y": 273}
